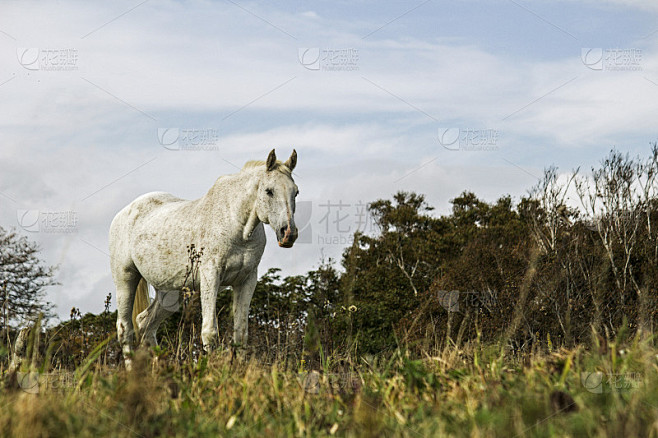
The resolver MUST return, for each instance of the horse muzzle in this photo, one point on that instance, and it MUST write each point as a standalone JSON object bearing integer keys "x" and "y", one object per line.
{"x": 286, "y": 237}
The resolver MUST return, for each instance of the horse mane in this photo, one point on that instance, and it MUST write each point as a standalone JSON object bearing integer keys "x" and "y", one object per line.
{"x": 280, "y": 166}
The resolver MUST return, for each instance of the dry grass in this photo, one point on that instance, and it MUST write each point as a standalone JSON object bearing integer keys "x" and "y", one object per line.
{"x": 479, "y": 390}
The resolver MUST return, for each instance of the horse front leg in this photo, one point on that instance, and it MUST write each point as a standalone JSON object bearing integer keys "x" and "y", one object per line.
{"x": 242, "y": 294}
{"x": 209, "y": 287}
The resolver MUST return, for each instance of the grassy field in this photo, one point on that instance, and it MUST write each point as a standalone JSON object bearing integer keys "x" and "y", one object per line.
{"x": 608, "y": 389}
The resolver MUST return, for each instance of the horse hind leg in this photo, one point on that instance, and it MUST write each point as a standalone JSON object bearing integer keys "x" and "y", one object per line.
{"x": 165, "y": 304}
{"x": 125, "y": 290}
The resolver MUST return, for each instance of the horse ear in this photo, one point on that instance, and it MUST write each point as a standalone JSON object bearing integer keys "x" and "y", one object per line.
{"x": 292, "y": 161}
{"x": 271, "y": 161}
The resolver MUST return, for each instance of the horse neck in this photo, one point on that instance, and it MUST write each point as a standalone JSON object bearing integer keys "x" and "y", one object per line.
{"x": 234, "y": 197}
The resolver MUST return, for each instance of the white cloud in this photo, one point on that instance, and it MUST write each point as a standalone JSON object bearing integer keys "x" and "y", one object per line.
{"x": 86, "y": 139}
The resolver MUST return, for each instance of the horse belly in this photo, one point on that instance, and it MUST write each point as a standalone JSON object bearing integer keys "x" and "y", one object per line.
{"x": 161, "y": 265}
{"x": 159, "y": 246}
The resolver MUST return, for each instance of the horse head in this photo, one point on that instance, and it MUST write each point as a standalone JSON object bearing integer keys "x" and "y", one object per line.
{"x": 275, "y": 203}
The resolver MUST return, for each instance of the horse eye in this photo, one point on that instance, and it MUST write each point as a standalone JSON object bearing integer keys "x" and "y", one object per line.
{"x": 269, "y": 192}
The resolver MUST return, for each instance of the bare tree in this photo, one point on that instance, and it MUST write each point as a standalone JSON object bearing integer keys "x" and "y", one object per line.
{"x": 612, "y": 198}
{"x": 648, "y": 185}
{"x": 552, "y": 213}
{"x": 620, "y": 199}
{"x": 23, "y": 279}
{"x": 551, "y": 221}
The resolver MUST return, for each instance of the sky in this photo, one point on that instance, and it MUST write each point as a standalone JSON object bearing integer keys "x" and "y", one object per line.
{"x": 101, "y": 102}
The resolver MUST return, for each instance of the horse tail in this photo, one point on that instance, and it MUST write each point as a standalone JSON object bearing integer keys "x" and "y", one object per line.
{"x": 140, "y": 304}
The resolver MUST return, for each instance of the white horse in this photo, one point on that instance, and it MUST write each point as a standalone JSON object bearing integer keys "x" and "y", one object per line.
{"x": 150, "y": 236}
